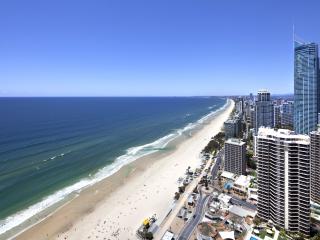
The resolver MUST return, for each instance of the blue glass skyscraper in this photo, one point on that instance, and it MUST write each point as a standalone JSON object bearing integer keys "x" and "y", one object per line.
{"x": 306, "y": 87}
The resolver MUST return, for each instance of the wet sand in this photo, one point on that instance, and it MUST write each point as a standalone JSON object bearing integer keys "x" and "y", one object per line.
{"x": 115, "y": 207}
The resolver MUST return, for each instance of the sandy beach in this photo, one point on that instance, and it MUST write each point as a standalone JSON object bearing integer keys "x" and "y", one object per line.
{"x": 115, "y": 207}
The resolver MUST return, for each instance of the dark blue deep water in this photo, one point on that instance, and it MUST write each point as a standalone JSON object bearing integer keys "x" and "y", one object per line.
{"x": 47, "y": 144}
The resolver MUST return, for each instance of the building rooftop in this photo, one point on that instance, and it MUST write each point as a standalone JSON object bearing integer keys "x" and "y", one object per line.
{"x": 243, "y": 181}
{"x": 227, "y": 235}
{"x": 227, "y": 175}
{"x": 317, "y": 132}
{"x": 263, "y": 91}
{"x": 285, "y": 134}
{"x": 235, "y": 141}
{"x": 167, "y": 236}
{"x": 241, "y": 212}
{"x": 231, "y": 121}
{"x": 224, "y": 198}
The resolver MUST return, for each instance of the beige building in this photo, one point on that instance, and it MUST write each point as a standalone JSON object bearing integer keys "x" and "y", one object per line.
{"x": 235, "y": 156}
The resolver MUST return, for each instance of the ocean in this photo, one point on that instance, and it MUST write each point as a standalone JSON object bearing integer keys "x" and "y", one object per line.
{"x": 52, "y": 147}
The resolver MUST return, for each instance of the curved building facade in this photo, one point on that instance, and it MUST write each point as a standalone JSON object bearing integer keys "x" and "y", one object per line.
{"x": 315, "y": 166}
{"x": 284, "y": 179}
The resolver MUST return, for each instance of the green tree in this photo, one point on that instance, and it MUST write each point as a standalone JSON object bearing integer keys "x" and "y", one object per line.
{"x": 176, "y": 196}
{"x": 182, "y": 189}
{"x": 149, "y": 236}
{"x": 316, "y": 237}
{"x": 257, "y": 221}
{"x": 282, "y": 232}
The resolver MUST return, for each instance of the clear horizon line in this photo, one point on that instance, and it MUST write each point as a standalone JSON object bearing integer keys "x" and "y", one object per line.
{"x": 106, "y": 96}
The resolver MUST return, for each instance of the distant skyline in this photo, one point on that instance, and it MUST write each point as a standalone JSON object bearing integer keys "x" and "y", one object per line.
{"x": 151, "y": 48}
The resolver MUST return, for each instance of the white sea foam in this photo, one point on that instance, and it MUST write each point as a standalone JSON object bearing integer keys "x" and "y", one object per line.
{"x": 131, "y": 155}
{"x": 57, "y": 156}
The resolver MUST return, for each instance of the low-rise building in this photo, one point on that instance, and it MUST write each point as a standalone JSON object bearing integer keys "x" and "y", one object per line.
{"x": 242, "y": 184}
{"x": 253, "y": 194}
{"x": 242, "y": 212}
{"x": 168, "y": 236}
{"x": 224, "y": 200}
{"x": 227, "y": 235}
{"x": 227, "y": 176}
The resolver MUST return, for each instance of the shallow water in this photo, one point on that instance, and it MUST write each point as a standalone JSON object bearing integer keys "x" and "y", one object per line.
{"x": 50, "y": 147}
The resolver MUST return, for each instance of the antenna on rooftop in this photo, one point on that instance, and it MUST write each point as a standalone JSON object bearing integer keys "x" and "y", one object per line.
{"x": 294, "y": 37}
{"x": 297, "y": 39}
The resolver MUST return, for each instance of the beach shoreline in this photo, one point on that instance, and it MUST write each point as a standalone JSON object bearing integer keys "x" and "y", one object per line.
{"x": 114, "y": 207}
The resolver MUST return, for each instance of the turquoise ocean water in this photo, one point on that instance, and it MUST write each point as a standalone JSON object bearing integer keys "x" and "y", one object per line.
{"x": 50, "y": 147}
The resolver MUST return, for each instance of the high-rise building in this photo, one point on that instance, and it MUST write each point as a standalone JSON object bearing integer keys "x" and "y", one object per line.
{"x": 287, "y": 114}
{"x": 283, "y": 170}
{"x": 251, "y": 97}
{"x": 233, "y": 127}
{"x": 306, "y": 87}
{"x": 315, "y": 166}
{"x": 235, "y": 156}
{"x": 263, "y": 110}
{"x": 247, "y": 108}
{"x": 252, "y": 117}
{"x": 230, "y": 128}
{"x": 277, "y": 116}
{"x": 240, "y": 105}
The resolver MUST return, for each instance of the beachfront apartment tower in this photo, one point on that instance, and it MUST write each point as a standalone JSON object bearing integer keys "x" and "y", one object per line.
{"x": 306, "y": 87}
{"x": 283, "y": 171}
{"x": 315, "y": 166}
{"x": 264, "y": 116}
{"x": 232, "y": 127}
{"x": 235, "y": 156}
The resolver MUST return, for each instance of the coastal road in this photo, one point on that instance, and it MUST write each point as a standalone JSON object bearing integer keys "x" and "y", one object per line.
{"x": 216, "y": 166}
{"x": 200, "y": 207}
{"x": 202, "y": 202}
{"x": 193, "y": 222}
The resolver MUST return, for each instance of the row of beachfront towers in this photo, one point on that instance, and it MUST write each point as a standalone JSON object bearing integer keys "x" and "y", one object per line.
{"x": 288, "y": 160}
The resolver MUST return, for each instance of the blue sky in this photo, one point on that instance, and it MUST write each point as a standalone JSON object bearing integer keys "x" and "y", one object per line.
{"x": 151, "y": 47}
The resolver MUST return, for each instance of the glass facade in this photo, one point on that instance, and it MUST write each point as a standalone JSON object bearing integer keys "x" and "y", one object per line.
{"x": 287, "y": 115}
{"x": 263, "y": 111}
{"x": 306, "y": 87}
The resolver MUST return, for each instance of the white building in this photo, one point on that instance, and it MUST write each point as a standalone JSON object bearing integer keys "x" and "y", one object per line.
{"x": 284, "y": 179}
{"x": 253, "y": 194}
{"x": 168, "y": 236}
{"x": 227, "y": 176}
{"x": 242, "y": 184}
{"x": 315, "y": 166}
